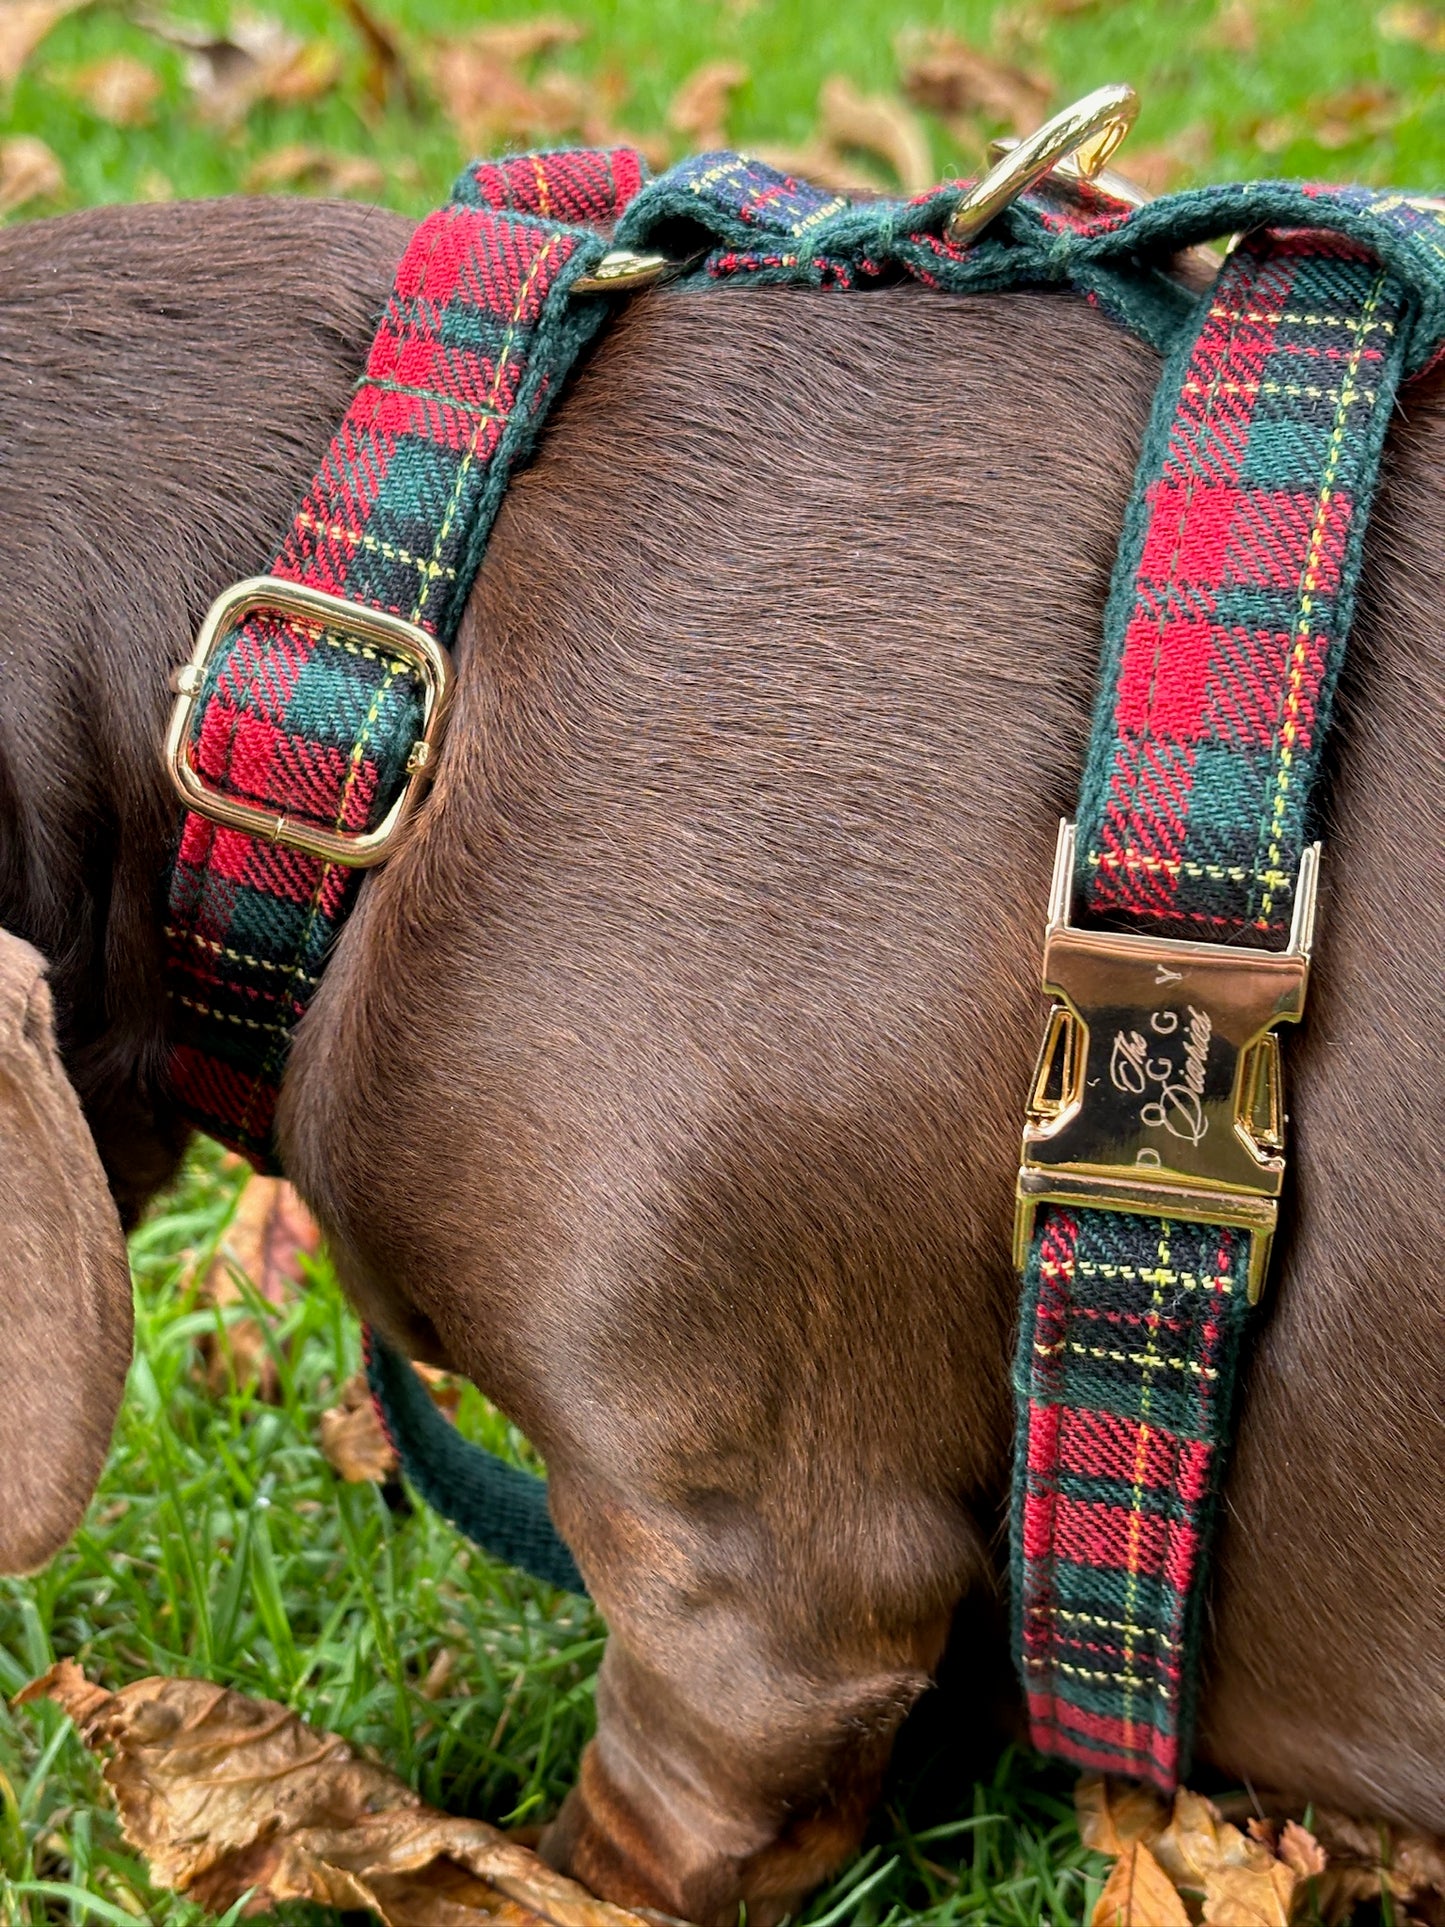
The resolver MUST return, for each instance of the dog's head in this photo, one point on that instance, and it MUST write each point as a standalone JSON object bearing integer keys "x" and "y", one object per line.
{"x": 65, "y": 1307}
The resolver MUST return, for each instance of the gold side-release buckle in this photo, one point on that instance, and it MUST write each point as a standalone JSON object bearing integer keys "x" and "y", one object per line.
{"x": 390, "y": 636}
{"x": 1158, "y": 1088}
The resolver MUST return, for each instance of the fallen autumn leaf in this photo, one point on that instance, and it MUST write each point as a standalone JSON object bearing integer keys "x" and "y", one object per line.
{"x": 353, "y": 1438}
{"x": 316, "y": 170}
{"x": 1138, "y": 1893}
{"x": 1424, "y": 26}
{"x": 271, "y": 1232}
{"x": 120, "y": 89}
{"x": 949, "y": 77}
{"x": 256, "y": 59}
{"x": 23, "y": 25}
{"x": 876, "y": 124}
{"x": 699, "y": 109}
{"x": 28, "y": 172}
{"x": 226, "y": 1795}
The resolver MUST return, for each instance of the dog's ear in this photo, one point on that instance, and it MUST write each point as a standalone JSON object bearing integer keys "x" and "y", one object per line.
{"x": 65, "y": 1306}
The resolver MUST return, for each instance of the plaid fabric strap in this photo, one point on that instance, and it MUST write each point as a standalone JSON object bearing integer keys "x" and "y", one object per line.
{"x": 479, "y": 330}
{"x": 1225, "y": 630}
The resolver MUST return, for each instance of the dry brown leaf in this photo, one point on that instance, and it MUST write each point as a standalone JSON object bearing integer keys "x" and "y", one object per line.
{"x": 699, "y": 109}
{"x": 1273, "y": 1870}
{"x": 1298, "y": 1848}
{"x": 353, "y": 1438}
{"x": 438, "y": 1674}
{"x": 257, "y": 59}
{"x": 1275, "y": 133}
{"x": 387, "y": 70}
{"x": 23, "y": 25}
{"x": 1138, "y": 1893}
{"x": 1354, "y": 114}
{"x": 1114, "y": 1813}
{"x": 824, "y": 166}
{"x": 223, "y": 1794}
{"x": 876, "y": 124}
{"x": 120, "y": 89}
{"x": 1235, "y": 28}
{"x": 28, "y": 172}
{"x": 949, "y": 77}
{"x": 515, "y": 42}
{"x": 266, "y": 1241}
{"x": 315, "y": 170}
{"x": 491, "y": 105}
{"x": 1250, "y": 1896}
{"x": 1424, "y": 26}
{"x": 1171, "y": 163}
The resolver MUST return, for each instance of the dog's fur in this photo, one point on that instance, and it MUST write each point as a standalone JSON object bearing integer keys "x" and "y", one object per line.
{"x": 668, "y": 1082}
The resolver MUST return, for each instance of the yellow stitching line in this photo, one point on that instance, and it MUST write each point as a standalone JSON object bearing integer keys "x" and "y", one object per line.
{"x": 1314, "y": 549}
{"x": 1174, "y": 866}
{"x": 1148, "y": 1359}
{"x": 544, "y": 202}
{"x": 1129, "y": 1680}
{"x": 1136, "y": 1496}
{"x": 1349, "y": 322}
{"x": 296, "y": 972}
{"x": 337, "y": 639}
{"x": 323, "y": 870}
{"x": 234, "y": 956}
{"x": 338, "y": 532}
{"x": 798, "y": 227}
{"x": 1292, "y": 388}
{"x": 1190, "y": 1280}
{"x": 226, "y": 1017}
{"x": 465, "y": 467}
{"x": 1112, "y": 1626}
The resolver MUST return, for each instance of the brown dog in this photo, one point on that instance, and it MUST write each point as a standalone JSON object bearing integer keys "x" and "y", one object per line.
{"x": 668, "y": 1082}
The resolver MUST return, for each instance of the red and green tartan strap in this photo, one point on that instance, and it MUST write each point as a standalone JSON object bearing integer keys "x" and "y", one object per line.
{"x": 315, "y": 724}
{"x": 1225, "y": 631}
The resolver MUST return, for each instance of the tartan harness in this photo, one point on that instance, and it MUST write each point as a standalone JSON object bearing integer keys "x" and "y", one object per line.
{"x": 1182, "y": 907}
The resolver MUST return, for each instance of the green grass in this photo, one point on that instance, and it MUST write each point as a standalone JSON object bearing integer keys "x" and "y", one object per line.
{"x": 220, "y": 1542}
{"x": 1192, "y": 80}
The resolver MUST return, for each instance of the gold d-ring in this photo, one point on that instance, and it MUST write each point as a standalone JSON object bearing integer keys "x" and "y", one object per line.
{"x": 1090, "y": 130}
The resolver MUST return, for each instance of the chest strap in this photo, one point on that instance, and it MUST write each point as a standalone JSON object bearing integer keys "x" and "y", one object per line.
{"x": 1153, "y": 1158}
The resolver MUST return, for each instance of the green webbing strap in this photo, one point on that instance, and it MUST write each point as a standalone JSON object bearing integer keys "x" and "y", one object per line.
{"x": 498, "y": 1507}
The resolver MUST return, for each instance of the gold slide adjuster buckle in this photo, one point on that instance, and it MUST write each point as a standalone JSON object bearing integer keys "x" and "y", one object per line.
{"x": 394, "y": 637}
{"x": 1158, "y": 1088}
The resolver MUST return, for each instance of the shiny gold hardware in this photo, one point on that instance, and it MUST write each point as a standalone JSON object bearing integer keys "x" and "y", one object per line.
{"x": 1089, "y": 131}
{"x": 1159, "y": 1088}
{"x": 1068, "y": 174}
{"x": 389, "y": 635}
{"x": 621, "y": 271}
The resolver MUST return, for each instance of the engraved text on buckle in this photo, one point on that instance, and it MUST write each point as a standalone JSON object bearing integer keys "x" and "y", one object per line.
{"x": 1158, "y": 1088}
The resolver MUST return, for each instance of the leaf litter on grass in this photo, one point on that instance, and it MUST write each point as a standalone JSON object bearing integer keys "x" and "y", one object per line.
{"x": 1184, "y": 1862}
{"x": 234, "y": 1800}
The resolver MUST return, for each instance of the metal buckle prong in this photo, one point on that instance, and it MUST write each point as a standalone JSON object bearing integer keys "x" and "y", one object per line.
{"x": 1159, "y": 1088}
{"x": 394, "y": 635}
{"x": 622, "y": 271}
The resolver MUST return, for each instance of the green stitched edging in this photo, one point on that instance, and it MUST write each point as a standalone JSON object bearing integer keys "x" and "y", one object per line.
{"x": 1121, "y": 266}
